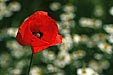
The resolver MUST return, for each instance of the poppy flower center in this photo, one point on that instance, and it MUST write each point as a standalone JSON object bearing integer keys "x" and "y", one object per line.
{"x": 38, "y": 34}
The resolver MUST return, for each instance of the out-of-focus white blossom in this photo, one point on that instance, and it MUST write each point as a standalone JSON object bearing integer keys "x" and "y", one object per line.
{"x": 86, "y": 22}
{"x": 104, "y": 64}
{"x": 110, "y": 38}
{"x": 77, "y": 39}
{"x": 111, "y": 11}
{"x": 98, "y": 56}
{"x": 86, "y": 71}
{"x": 76, "y": 63}
{"x": 2, "y": 9}
{"x": 78, "y": 54}
{"x": 105, "y": 47}
{"x": 108, "y": 28}
{"x": 7, "y": 13}
{"x": 16, "y": 50}
{"x": 2, "y": 6}
{"x": 14, "y": 6}
{"x": 52, "y": 68}
{"x": 68, "y": 24}
{"x": 65, "y": 31}
{"x": 95, "y": 39}
{"x": 13, "y": 45}
{"x": 59, "y": 73}
{"x": 84, "y": 38}
{"x": 98, "y": 11}
{"x": 91, "y": 43}
{"x": 35, "y": 71}
{"x": 5, "y": 60}
{"x": 67, "y": 16}
{"x": 99, "y": 37}
{"x": 95, "y": 65}
{"x": 69, "y": 8}
{"x": 62, "y": 59}
{"x": 12, "y": 32}
{"x": 66, "y": 43}
{"x": 1, "y": 15}
{"x": 3, "y": 0}
{"x": 48, "y": 56}
{"x": 17, "y": 53}
{"x": 55, "y": 6}
{"x": 99, "y": 65}
{"x": 91, "y": 23}
{"x": 6, "y": 9}
{"x": 59, "y": 25}
{"x": 16, "y": 71}
{"x": 3, "y": 34}
{"x": 21, "y": 64}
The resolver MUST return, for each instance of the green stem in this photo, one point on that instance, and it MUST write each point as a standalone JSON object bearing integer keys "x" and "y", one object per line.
{"x": 30, "y": 63}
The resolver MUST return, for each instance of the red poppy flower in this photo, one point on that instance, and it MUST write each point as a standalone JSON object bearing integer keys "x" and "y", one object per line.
{"x": 39, "y": 31}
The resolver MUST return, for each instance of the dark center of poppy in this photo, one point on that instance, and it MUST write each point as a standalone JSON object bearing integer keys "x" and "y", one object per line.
{"x": 38, "y": 34}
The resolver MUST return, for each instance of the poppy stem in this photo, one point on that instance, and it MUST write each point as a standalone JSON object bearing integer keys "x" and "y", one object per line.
{"x": 30, "y": 63}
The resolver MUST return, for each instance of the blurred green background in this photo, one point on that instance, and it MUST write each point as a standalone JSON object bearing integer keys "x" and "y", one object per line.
{"x": 87, "y": 45}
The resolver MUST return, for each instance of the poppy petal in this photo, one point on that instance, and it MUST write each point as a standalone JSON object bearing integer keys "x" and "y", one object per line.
{"x": 40, "y": 23}
{"x": 24, "y": 34}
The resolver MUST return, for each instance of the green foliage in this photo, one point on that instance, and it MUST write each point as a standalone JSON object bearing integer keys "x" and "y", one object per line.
{"x": 87, "y": 30}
